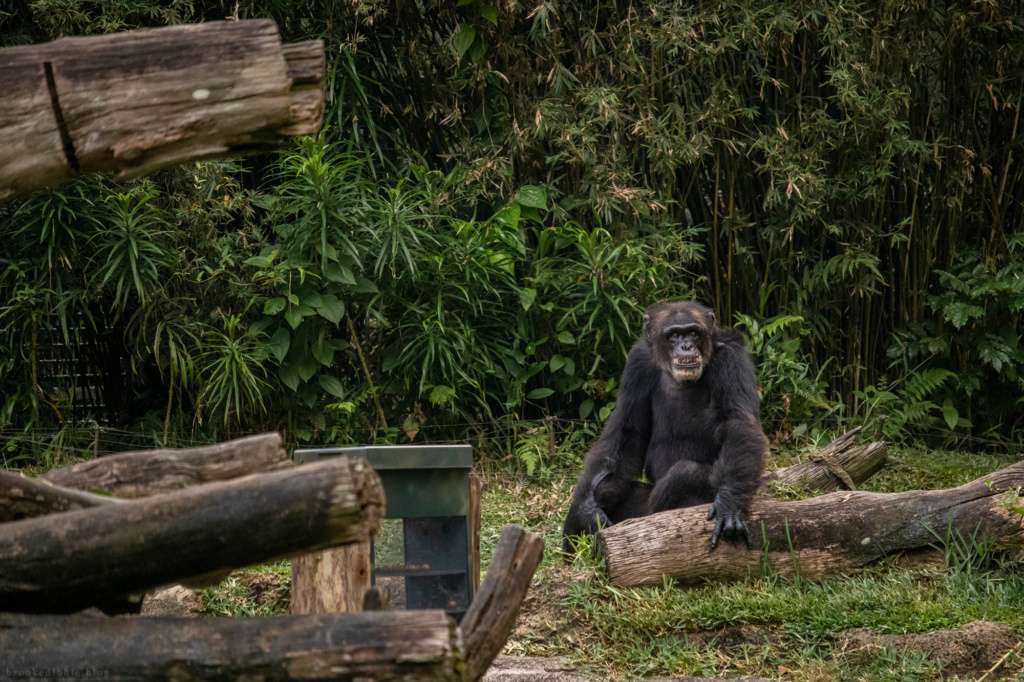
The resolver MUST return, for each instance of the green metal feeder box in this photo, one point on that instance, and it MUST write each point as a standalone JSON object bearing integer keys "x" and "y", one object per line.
{"x": 424, "y": 553}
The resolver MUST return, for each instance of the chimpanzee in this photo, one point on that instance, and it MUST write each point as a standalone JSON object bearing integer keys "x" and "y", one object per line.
{"x": 687, "y": 417}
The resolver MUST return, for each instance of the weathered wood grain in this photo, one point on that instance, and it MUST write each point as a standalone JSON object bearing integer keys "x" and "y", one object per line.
{"x": 141, "y": 100}
{"x": 860, "y": 462}
{"x": 840, "y": 532}
{"x": 22, "y": 497}
{"x": 151, "y": 472}
{"x": 490, "y": 618}
{"x": 331, "y": 581}
{"x": 62, "y": 563}
{"x": 379, "y": 645}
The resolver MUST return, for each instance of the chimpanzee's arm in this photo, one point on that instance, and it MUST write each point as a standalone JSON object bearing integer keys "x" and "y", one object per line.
{"x": 620, "y": 451}
{"x": 737, "y": 471}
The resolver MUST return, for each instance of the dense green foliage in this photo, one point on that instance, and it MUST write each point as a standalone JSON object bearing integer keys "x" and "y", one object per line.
{"x": 502, "y": 187}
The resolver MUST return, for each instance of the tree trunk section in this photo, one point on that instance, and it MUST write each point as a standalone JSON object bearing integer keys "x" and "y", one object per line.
{"x": 331, "y": 581}
{"x": 151, "y": 472}
{"x": 380, "y": 645}
{"x": 137, "y": 101}
{"x": 66, "y": 562}
{"x": 22, "y": 497}
{"x": 840, "y": 532}
{"x": 817, "y": 473}
{"x": 490, "y": 618}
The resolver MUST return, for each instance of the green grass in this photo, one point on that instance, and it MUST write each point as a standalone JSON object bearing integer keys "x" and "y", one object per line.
{"x": 538, "y": 504}
{"x": 648, "y": 631}
{"x": 920, "y": 469}
{"x": 256, "y": 591}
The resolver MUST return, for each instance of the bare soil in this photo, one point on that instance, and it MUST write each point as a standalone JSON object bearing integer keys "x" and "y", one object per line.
{"x": 271, "y": 590}
{"x": 968, "y": 651}
{"x": 541, "y": 614}
{"x": 174, "y": 601}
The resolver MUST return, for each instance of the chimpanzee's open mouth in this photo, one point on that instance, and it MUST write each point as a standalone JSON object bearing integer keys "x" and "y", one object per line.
{"x": 688, "y": 362}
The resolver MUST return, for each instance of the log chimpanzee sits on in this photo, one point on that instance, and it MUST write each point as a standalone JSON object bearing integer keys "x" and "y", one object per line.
{"x": 688, "y": 417}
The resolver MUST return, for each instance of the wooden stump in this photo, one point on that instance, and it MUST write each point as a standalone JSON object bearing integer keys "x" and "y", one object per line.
{"x": 331, "y": 581}
{"x": 476, "y": 493}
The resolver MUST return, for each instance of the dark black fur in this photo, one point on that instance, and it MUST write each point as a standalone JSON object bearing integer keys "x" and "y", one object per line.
{"x": 698, "y": 440}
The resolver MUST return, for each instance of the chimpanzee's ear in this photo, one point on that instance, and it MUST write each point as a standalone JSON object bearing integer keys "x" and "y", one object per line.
{"x": 711, "y": 318}
{"x": 648, "y": 332}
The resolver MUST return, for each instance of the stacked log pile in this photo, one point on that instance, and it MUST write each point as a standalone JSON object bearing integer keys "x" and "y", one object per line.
{"x": 191, "y": 515}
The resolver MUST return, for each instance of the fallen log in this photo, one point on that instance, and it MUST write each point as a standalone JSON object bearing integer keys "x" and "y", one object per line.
{"x": 66, "y": 562}
{"x": 840, "y": 464}
{"x": 151, "y": 472}
{"x": 141, "y": 100}
{"x": 22, "y": 497}
{"x": 840, "y": 532}
{"x": 377, "y": 645}
{"x": 490, "y": 618}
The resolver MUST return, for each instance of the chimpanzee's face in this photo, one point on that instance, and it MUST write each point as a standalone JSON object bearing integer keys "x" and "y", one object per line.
{"x": 680, "y": 336}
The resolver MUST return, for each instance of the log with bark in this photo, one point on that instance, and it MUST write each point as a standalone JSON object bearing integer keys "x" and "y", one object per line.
{"x": 137, "y": 101}
{"x": 373, "y": 645}
{"x": 840, "y": 532}
{"x": 840, "y": 464}
{"x": 378, "y": 645}
{"x": 22, "y": 497}
{"x": 490, "y": 618}
{"x": 66, "y": 562}
{"x": 151, "y": 472}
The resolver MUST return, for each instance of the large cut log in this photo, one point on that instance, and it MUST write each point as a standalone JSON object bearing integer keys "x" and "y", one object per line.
{"x": 137, "y": 101}
{"x": 840, "y": 532}
{"x": 66, "y": 562}
{"x": 380, "y": 645}
{"x": 22, "y": 497}
{"x": 490, "y": 618}
{"x": 150, "y": 472}
{"x": 840, "y": 464}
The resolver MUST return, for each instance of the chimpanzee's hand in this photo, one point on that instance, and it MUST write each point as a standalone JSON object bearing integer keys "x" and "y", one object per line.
{"x": 731, "y": 521}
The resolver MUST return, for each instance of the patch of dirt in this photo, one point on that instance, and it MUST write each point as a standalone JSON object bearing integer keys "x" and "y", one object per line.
{"x": 734, "y": 636}
{"x": 175, "y": 601}
{"x": 529, "y": 668}
{"x": 541, "y": 614}
{"x": 270, "y": 590}
{"x": 533, "y": 668}
{"x": 968, "y": 650}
